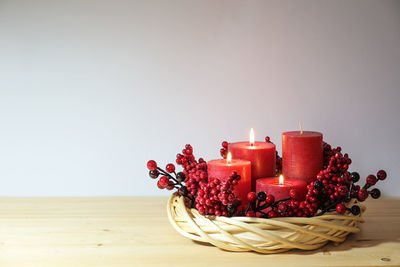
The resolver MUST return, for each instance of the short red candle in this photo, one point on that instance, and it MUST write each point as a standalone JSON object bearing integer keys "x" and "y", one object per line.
{"x": 302, "y": 155}
{"x": 262, "y": 156}
{"x": 271, "y": 185}
{"x": 222, "y": 169}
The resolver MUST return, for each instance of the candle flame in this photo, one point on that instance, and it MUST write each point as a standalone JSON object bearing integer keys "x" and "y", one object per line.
{"x": 229, "y": 158}
{"x": 251, "y": 137}
{"x": 301, "y": 127}
{"x": 281, "y": 179}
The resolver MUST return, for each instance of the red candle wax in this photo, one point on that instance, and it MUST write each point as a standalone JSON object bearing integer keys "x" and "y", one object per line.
{"x": 271, "y": 185}
{"x": 222, "y": 169}
{"x": 261, "y": 155}
{"x": 302, "y": 155}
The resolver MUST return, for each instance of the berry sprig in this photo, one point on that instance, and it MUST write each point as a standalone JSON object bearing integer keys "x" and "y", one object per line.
{"x": 224, "y": 150}
{"x": 167, "y": 180}
{"x": 265, "y": 206}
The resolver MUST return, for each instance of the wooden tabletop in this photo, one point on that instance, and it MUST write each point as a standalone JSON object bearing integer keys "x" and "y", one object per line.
{"x": 134, "y": 231}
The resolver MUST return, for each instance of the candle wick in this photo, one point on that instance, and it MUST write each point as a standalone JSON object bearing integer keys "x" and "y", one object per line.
{"x": 301, "y": 127}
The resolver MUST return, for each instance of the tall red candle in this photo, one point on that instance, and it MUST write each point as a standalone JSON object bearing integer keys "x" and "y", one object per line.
{"x": 260, "y": 154}
{"x": 302, "y": 155}
{"x": 280, "y": 188}
{"x": 222, "y": 169}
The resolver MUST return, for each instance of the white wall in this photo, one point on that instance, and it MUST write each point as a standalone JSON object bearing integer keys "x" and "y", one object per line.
{"x": 90, "y": 90}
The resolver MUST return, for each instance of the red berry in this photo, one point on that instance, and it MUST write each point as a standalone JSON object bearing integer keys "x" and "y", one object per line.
{"x": 225, "y": 144}
{"x": 251, "y": 196}
{"x": 170, "y": 168}
{"x": 151, "y": 165}
{"x": 164, "y": 181}
{"x": 159, "y": 185}
{"x": 294, "y": 194}
{"x": 272, "y": 214}
{"x": 294, "y": 204}
{"x": 362, "y": 194}
{"x": 250, "y": 213}
{"x": 371, "y": 179}
{"x": 269, "y": 199}
{"x": 340, "y": 208}
{"x": 267, "y": 139}
{"x": 343, "y": 191}
{"x": 381, "y": 175}
{"x": 282, "y": 207}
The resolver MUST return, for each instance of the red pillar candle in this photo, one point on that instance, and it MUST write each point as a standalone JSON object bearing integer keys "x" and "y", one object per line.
{"x": 280, "y": 188}
{"x": 223, "y": 168}
{"x": 302, "y": 155}
{"x": 261, "y": 155}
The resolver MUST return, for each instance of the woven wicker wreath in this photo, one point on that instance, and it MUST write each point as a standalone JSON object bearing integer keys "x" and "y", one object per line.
{"x": 261, "y": 235}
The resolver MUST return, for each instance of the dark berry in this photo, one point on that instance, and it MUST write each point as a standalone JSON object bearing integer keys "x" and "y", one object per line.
{"x": 151, "y": 165}
{"x": 154, "y": 174}
{"x": 251, "y": 196}
{"x": 180, "y": 177}
{"x": 340, "y": 208}
{"x": 355, "y": 177}
{"x": 355, "y": 210}
{"x": 371, "y": 179}
{"x": 318, "y": 185}
{"x": 261, "y": 196}
{"x": 381, "y": 175}
{"x": 375, "y": 193}
{"x": 231, "y": 209}
{"x": 183, "y": 190}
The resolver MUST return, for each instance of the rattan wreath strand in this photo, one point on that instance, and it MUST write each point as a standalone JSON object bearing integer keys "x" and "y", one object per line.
{"x": 258, "y": 234}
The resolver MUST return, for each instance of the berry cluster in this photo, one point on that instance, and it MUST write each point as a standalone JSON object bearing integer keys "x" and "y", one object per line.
{"x": 333, "y": 182}
{"x": 167, "y": 180}
{"x": 217, "y": 197}
{"x": 333, "y": 187}
{"x": 195, "y": 171}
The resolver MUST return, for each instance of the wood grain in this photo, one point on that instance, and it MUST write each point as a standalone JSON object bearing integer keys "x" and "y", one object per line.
{"x": 134, "y": 231}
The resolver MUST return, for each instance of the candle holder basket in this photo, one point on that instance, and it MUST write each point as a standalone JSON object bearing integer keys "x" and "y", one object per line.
{"x": 259, "y": 234}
